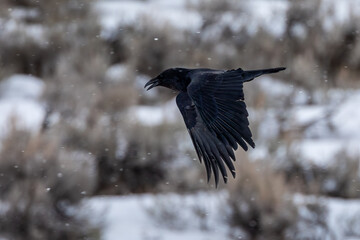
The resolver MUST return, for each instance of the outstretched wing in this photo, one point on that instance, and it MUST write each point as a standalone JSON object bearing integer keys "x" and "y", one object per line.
{"x": 213, "y": 152}
{"x": 219, "y": 99}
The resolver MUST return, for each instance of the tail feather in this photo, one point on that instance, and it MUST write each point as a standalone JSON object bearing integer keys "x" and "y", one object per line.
{"x": 250, "y": 75}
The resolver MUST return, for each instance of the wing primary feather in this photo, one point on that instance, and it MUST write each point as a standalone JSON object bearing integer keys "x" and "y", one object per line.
{"x": 226, "y": 158}
{"x": 222, "y": 131}
{"x": 242, "y": 129}
{"x": 229, "y": 149}
{"x": 234, "y": 106}
{"x": 217, "y": 156}
{"x": 205, "y": 156}
{"x": 215, "y": 171}
{"x": 207, "y": 119}
{"x": 235, "y": 127}
{"x": 211, "y": 155}
{"x": 234, "y": 133}
{"x": 229, "y": 107}
{"x": 196, "y": 146}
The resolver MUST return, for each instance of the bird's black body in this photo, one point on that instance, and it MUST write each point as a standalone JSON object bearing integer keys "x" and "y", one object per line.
{"x": 212, "y": 105}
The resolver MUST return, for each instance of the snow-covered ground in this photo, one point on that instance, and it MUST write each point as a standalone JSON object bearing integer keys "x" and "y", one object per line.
{"x": 113, "y": 14}
{"x": 200, "y": 216}
{"x": 330, "y": 128}
{"x": 342, "y": 216}
{"x": 321, "y": 130}
{"x": 20, "y": 103}
{"x": 166, "y": 113}
{"x": 171, "y": 216}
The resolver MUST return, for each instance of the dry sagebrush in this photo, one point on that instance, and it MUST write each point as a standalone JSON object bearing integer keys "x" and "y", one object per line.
{"x": 39, "y": 183}
{"x": 263, "y": 207}
{"x": 45, "y": 29}
{"x": 258, "y": 203}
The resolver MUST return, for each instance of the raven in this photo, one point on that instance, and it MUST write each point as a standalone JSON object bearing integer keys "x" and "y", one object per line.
{"x": 212, "y": 105}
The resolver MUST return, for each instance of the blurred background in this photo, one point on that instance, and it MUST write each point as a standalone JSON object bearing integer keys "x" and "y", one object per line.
{"x": 86, "y": 153}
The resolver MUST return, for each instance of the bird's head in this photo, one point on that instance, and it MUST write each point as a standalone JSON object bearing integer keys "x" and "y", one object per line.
{"x": 172, "y": 78}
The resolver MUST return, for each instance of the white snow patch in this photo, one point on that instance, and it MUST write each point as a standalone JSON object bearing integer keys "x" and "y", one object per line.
{"x": 173, "y": 216}
{"x": 322, "y": 152}
{"x": 140, "y": 217}
{"x": 21, "y": 86}
{"x": 116, "y": 13}
{"x": 342, "y": 215}
{"x": 256, "y": 14}
{"x": 274, "y": 88}
{"x": 19, "y": 100}
{"x": 299, "y": 31}
{"x": 116, "y": 72}
{"x": 340, "y": 12}
{"x": 259, "y": 153}
{"x": 346, "y": 119}
{"x": 269, "y": 127}
{"x": 155, "y": 115}
{"x": 270, "y": 15}
{"x": 16, "y": 33}
{"x": 28, "y": 114}
{"x": 304, "y": 115}
{"x": 23, "y": 13}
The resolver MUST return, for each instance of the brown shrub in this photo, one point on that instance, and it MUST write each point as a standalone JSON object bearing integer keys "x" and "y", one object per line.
{"x": 39, "y": 183}
{"x": 142, "y": 164}
{"x": 258, "y": 202}
{"x": 321, "y": 54}
{"x": 213, "y": 7}
{"x": 262, "y": 206}
{"x": 36, "y": 52}
{"x": 311, "y": 223}
{"x": 4, "y": 9}
{"x": 158, "y": 48}
{"x": 339, "y": 179}
{"x": 318, "y": 57}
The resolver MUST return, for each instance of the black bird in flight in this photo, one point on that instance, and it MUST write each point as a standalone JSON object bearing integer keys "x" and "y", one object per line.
{"x": 212, "y": 105}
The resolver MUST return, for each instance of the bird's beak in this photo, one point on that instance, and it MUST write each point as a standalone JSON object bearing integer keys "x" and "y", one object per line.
{"x": 152, "y": 83}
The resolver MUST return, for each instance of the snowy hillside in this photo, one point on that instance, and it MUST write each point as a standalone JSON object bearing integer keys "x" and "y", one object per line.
{"x": 87, "y": 153}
